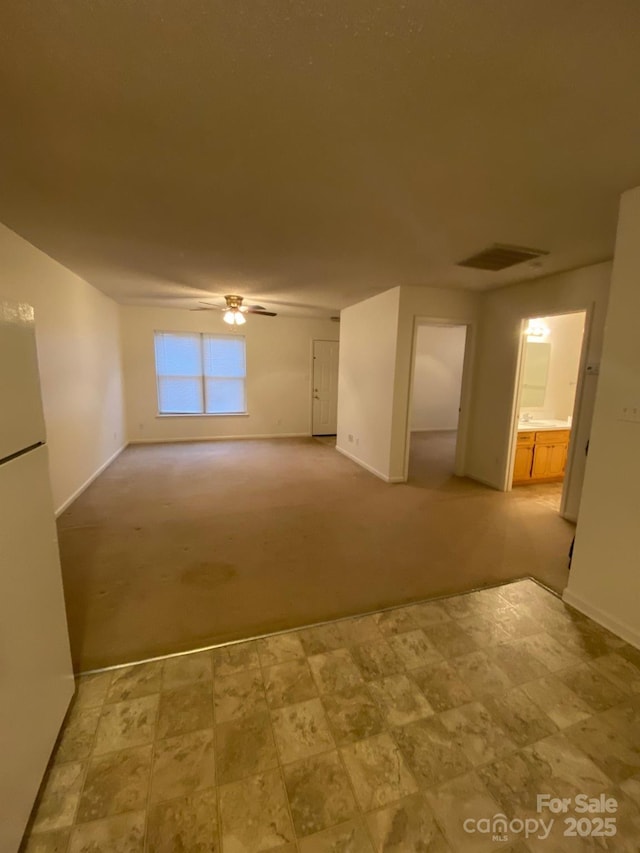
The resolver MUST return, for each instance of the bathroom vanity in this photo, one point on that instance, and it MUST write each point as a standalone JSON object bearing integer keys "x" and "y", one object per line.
{"x": 541, "y": 452}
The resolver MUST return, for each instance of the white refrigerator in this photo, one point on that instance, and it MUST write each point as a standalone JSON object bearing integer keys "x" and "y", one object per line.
{"x": 36, "y": 678}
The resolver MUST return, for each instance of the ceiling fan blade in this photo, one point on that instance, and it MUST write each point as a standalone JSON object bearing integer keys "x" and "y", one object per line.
{"x": 264, "y": 313}
{"x": 255, "y": 307}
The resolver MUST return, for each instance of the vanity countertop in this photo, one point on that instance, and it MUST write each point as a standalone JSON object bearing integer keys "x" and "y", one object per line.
{"x": 542, "y": 424}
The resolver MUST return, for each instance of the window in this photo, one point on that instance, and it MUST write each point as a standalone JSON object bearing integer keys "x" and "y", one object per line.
{"x": 200, "y": 374}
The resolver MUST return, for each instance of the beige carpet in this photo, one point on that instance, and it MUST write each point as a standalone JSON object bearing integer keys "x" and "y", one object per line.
{"x": 177, "y": 546}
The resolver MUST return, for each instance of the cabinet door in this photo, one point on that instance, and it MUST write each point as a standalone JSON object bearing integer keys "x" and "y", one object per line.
{"x": 522, "y": 467}
{"x": 540, "y": 467}
{"x": 557, "y": 460}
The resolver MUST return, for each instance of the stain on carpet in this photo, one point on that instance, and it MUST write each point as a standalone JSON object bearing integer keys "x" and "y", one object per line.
{"x": 208, "y": 574}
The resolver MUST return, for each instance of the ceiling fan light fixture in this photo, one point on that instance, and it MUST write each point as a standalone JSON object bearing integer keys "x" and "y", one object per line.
{"x": 234, "y": 317}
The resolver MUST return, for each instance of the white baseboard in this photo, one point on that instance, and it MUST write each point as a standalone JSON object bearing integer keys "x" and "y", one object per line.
{"x": 88, "y": 482}
{"x": 435, "y": 429}
{"x": 220, "y": 438}
{"x": 611, "y": 623}
{"x": 369, "y": 468}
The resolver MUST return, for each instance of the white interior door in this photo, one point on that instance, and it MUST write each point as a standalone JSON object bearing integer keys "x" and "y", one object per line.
{"x": 325, "y": 388}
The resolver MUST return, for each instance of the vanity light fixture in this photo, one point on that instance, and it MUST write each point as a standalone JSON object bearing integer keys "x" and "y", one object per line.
{"x": 537, "y": 331}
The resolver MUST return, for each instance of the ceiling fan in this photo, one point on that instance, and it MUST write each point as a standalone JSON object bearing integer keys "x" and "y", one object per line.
{"x": 234, "y": 310}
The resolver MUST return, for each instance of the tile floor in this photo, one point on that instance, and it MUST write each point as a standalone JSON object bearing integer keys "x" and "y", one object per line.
{"x": 378, "y": 733}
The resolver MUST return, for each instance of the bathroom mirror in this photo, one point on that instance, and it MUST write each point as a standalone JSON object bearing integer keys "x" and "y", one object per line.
{"x": 535, "y": 372}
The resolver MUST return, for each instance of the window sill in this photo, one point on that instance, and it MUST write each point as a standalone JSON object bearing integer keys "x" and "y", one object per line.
{"x": 203, "y": 415}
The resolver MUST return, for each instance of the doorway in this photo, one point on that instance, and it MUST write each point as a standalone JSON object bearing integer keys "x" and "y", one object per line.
{"x": 324, "y": 409}
{"x": 548, "y": 393}
{"x": 434, "y": 411}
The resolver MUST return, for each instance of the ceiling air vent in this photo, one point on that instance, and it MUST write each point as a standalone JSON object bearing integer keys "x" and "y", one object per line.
{"x": 499, "y": 257}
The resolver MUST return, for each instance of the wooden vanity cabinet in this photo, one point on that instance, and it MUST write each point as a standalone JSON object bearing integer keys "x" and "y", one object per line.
{"x": 541, "y": 457}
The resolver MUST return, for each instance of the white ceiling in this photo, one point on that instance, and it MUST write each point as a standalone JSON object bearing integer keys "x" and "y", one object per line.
{"x": 314, "y": 153}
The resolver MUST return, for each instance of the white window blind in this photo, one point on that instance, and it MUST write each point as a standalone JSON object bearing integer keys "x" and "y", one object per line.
{"x": 200, "y": 374}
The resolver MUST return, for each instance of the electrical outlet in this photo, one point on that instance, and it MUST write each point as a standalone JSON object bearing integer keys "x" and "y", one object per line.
{"x": 350, "y": 437}
{"x": 631, "y": 414}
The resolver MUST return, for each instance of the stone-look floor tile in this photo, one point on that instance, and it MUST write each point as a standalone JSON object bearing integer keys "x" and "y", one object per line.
{"x": 279, "y": 649}
{"x": 548, "y": 651}
{"x": 449, "y": 639}
{"x": 229, "y": 660}
{"x": 393, "y": 622}
{"x": 288, "y": 683}
{"x": 481, "y": 674}
{"x": 408, "y": 826}
{"x": 361, "y": 630}
{"x": 582, "y": 637}
{"x": 238, "y": 695}
{"x": 188, "y": 824}
{"x": 414, "y": 649}
{"x": 378, "y": 771}
{"x": 592, "y": 686}
{"x": 376, "y": 660}
{"x": 611, "y": 740}
{"x": 334, "y": 671}
{"x": 522, "y": 720}
{"x": 484, "y": 630}
{"x": 132, "y": 682}
{"x": 125, "y": 724}
{"x": 428, "y": 613}
{"x": 91, "y": 690}
{"x": 523, "y": 592}
{"x": 116, "y": 782}
{"x": 618, "y": 669}
{"x": 352, "y": 713}
{"x": 47, "y": 842}
{"x": 477, "y": 733}
{"x": 320, "y": 794}
{"x": 442, "y": 686}
{"x": 461, "y": 606}
{"x": 350, "y": 837}
{"x": 515, "y": 785}
{"x": 182, "y": 765}
{"x": 558, "y": 702}
{"x": 58, "y": 801}
{"x": 519, "y": 664}
{"x": 301, "y": 730}
{"x": 630, "y": 654}
{"x": 323, "y": 638}
{"x": 245, "y": 747}
{"x": 185, "y": 709}
{"x": 121, "y": 834}
{"x": 631, "y": 788}
{"x": 254, "y": 814}
{"x": 517, "y": 623}
{"x": 565, "y": 767}
{"x": 187, "y": 669}
{"x": 431, "y": 751}
{"x": 400, "y": 700}
{"x": 77, "y": 736}
{"x": 458, "y": 800}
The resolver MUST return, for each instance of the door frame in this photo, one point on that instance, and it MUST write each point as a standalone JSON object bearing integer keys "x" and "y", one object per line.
{"x": 459, "y": 468}
{"x": 311, "y": 358}
{"x": 588, "y": 311}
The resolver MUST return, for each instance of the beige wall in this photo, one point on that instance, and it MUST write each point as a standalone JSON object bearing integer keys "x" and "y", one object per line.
{"x": 279, "y": 363}
{"x": 565, "y": 337}
{"x": 77, "y": 332}
{"x": 605, "y": 576}
{"x": 376, "y": 360}
{"x": 437, "y": 377}
{"x": 496, "y": 365}
{"x": 366, "y": 380}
